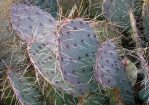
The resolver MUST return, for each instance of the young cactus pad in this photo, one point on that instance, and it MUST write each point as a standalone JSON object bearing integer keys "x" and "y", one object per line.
{"x": 77, "y": 45}
{"x": 44, "y": 60}
{"x": 110, "y": 73}
{"x": 117, "y": 11}
{"x": 23, "y": 89}
{"x": 32, "y": 23}
{"x": 131, "y": 70}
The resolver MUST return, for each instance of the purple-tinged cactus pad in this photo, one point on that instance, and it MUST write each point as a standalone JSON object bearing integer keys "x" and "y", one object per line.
{"x": 43, "y": 57}
{"x": 110, "y": 72}
{"x": 77, "y": 45}
{"x": 23, "y": 89}
{"x": 106, "y": 65}
{"x": 31, "y": 23}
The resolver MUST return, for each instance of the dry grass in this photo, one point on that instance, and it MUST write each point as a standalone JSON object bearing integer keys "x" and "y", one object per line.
{"x": 146, "y": 2}
{"x": 4, "y": 8}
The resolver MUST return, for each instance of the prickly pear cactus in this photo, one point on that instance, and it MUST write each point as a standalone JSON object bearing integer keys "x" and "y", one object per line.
{"x": 71, "y": 66}
{"x": 25, "y": 93}
{"x": 47, "y": 5}
{"x": 77, "y": 45}
{"x": 11, "y": 50}
{"x": 110, "y": 72}
{"x": 145, "y": 18}
{"x": 65, "y": 99}
{"x": 117, "y": 11}
{"x": 143, "y": 94}
{"x": 44, "y": 60}
{"x": 95, "y": 100}
{"x": 114, "y": 97}
{"x": 32, "y": 23}
{"x": 131, "y": 70}
{"x": 42, "y": 49}
{"x": 106, "y": 30}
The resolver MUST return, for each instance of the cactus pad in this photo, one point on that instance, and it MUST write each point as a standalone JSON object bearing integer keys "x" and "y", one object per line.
{"x": 131, "y": 70}
{"x": 110, "y": 72}
{"x": 144, "y": 93}
{"x": 31, "y": 23}
{"x": 25, "y": 93}
{"x": 106, "y": 30}
{"x": 95, "y": 100}
{"x": 117, "y": 11}
{"x": 44, "y": 60}
{"x": 77, "y": 45}
{"x": 47, "y": 5}
{"x": 145, "y": 20}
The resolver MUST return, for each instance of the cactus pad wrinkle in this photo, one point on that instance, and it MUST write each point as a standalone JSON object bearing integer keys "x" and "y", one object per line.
{"x": 77, "y": 47}
{"x": 31, "y": 23}
{"x": 110, "y": 72}
{"x": 118, "y": 11}
{"x": 25, "y": 93}
{"x": 43, "y": 58}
